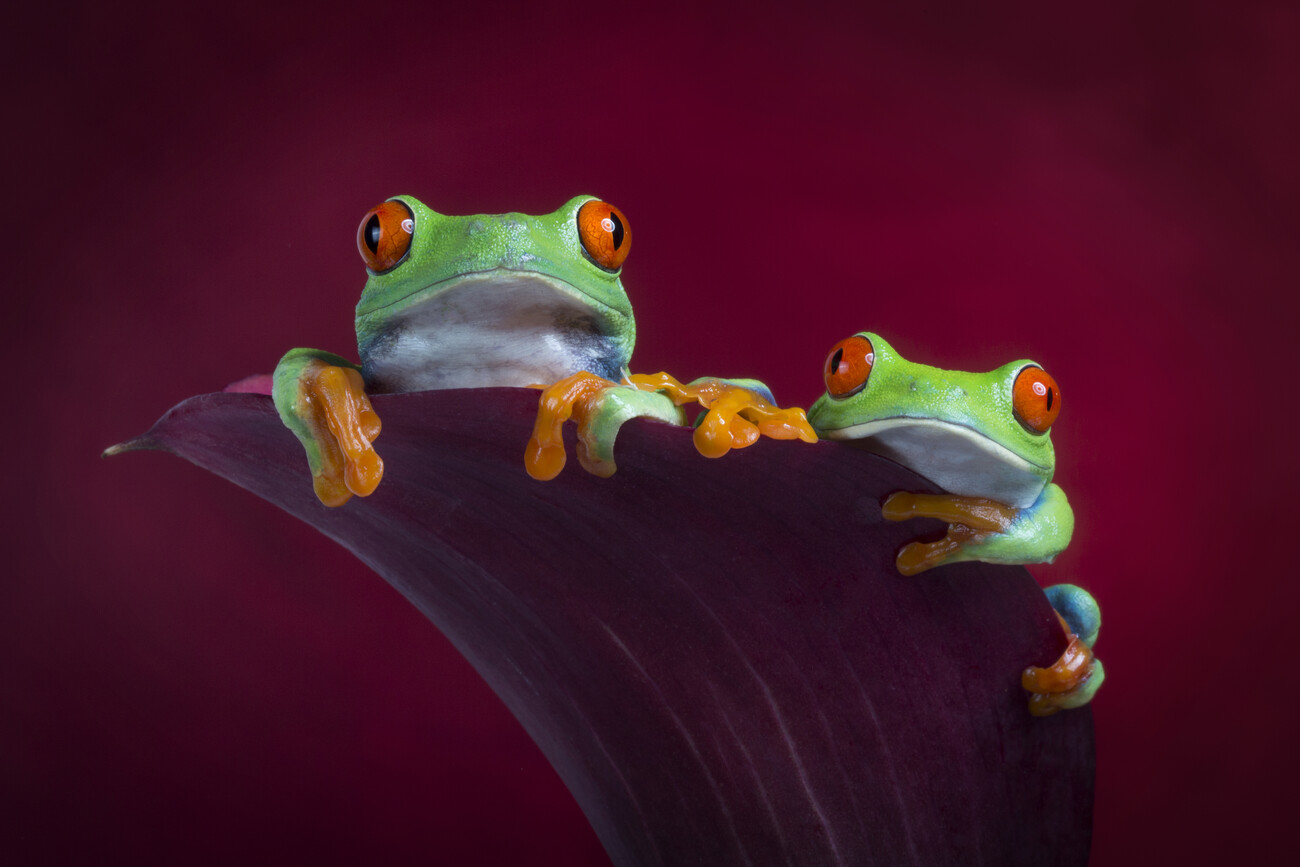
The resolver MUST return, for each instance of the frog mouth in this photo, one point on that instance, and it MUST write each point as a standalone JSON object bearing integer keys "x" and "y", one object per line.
{"x": 500, "y": 274}
{"x": 500, "y": 327}
{"x": 956, "y": 457}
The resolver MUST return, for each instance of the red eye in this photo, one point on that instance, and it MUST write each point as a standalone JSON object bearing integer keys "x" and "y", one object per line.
{"x": 384, "y": 236}
{"x": 848, "y": 366}
{"x": 605, "y": 234}
{"x": 1036, "y": 399}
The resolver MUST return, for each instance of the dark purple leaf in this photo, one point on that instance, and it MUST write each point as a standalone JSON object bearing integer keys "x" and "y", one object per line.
{"x": 718, "y": 657}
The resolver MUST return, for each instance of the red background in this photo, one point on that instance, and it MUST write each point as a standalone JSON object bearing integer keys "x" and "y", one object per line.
{"x": 191, "y": 676}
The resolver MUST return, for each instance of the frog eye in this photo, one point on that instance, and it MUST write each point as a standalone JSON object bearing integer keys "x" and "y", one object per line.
{"x": 604, "y": 233}
{"x": 1036, "y": 399}
{"x": 848, "y": 366}
{"x": 384, "y": 236}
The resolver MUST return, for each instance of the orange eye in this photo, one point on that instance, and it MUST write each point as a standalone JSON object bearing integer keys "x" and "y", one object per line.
{"x": 848, "y": 366}
{"x": 1036, "y": 399}
{"x": 384, "y": 236}
{"x": 605, "y": 234}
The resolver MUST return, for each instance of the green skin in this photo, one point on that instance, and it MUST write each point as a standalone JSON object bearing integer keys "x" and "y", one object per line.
{"x": 488, "y": 300}
{"x": 958, "y": 430}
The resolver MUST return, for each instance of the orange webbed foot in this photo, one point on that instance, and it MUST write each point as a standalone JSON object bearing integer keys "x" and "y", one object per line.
{"x": 572, "y": 397}
{"x": 344, "y": 425}
{"x": 1069, "y": 682}
{"x": 735, "y": 416}
{"x": 971, "y": 521}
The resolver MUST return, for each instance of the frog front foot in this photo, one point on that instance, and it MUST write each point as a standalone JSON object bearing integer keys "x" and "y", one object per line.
{"x": 600, "y": 407}
{"x": 972, "y": 521}
{"x": 983, "y": 529}
{"x": 1076, "y": 676}
{"x": 737, "y": 413}
{"x": 322, "y": 399}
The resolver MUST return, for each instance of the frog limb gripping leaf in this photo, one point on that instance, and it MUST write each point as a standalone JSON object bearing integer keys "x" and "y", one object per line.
{"x": 985, "y": 439}
{"x": 461, "y": 302}
{"x": 329, "y": 412}
{"x": 737, "y": 412}
{"x": 1073, "y": 679}
{"x": 600, "y": 407}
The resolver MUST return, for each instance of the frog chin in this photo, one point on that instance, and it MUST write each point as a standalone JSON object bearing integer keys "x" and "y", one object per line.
{"x": 496, "y": 328}
{"x": 957, "y": 458}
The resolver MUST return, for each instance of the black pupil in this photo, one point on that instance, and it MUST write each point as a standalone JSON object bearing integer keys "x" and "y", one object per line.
{"x": 618, "y": 229}
{"x": 1051, "y": 393}
{"x": 372, "y": 233}
{"x": 834, "y": 366}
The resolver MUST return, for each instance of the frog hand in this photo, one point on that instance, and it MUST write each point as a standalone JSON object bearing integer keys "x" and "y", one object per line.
{"x": 600, "y": 407}
{"x": 984, "y": 529}
{"x": 1069, "y": 682}
{"x": 326, "y": 406}
{"x": 737, "y": 413}
{"x": 971, "y": 522}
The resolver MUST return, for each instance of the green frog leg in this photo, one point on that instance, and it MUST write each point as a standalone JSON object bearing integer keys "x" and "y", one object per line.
{"x": 321, "y": 398}
{"x": 1073, "y": 679}
{"x": 983, "y": 529}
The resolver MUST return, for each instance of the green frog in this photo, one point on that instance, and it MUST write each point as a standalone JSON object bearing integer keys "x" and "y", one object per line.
{"x": 985, "y": 438}
{"x": 487, "y": 300}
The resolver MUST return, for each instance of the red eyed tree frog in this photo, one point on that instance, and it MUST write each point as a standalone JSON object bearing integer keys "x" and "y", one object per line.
{"x": 484, "y": 300}
{"x": 985, "y": 439}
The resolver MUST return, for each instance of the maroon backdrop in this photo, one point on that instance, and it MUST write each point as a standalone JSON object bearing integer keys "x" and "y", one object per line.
{"x": 190, "y": 675}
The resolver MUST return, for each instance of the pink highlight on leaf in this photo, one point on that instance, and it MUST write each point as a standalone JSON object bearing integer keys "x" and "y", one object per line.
{"x": 258, "y": 383}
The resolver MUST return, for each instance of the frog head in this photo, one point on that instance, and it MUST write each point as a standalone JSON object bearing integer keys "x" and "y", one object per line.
{"x": 973, "y": 434}
{"x": 492, "y": 299}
